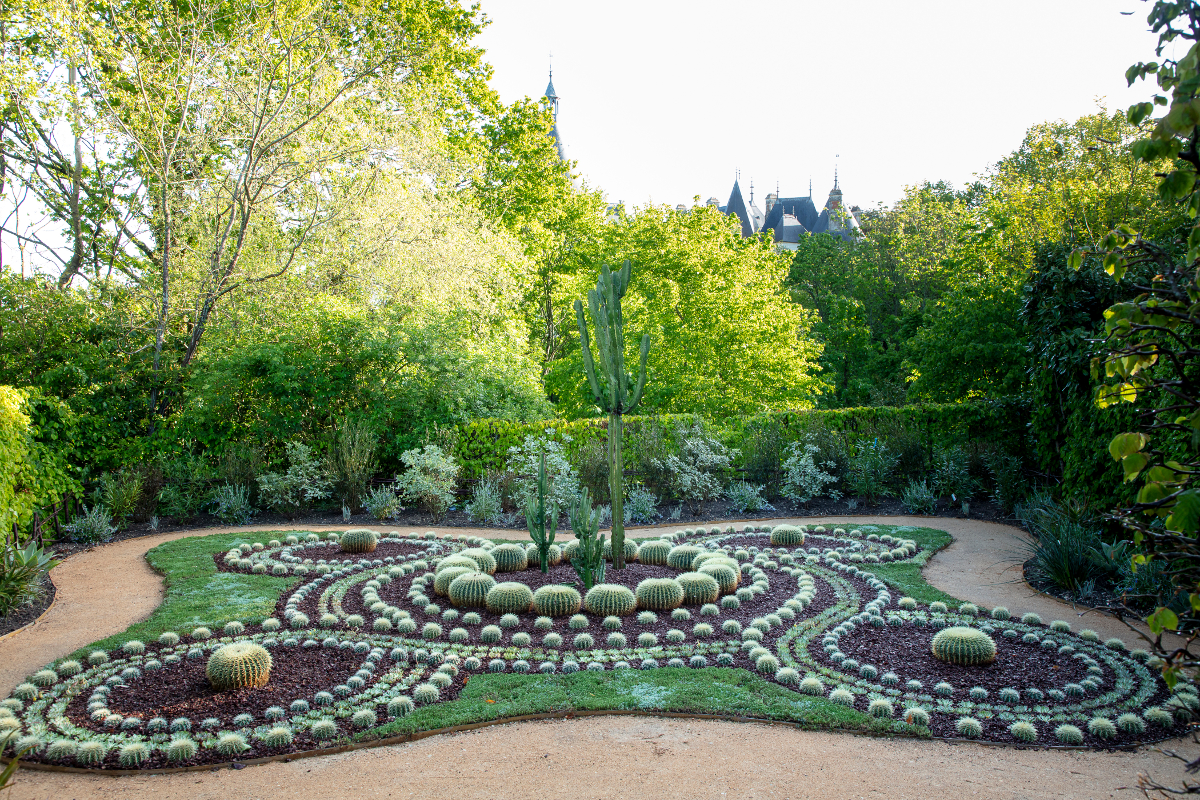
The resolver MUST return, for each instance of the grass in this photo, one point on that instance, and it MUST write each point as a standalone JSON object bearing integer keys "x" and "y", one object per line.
{"x": 198, "y": 594}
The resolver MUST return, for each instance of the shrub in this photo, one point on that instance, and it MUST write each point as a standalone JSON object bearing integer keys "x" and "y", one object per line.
{"x": 292, "y": 492}
{"x": 744, "y": 497}
{"x": 870, "y": 471}
{"x": 803, "y": 477}
{"x": 231, "y": 504}
{"x": 918, "y": 498}
{"x": 640, "y": 506}
{"x": 92, "y": 526}
{"x": 694, "y": 473}
{"x": 120, "y": 493}
{"x": 382, "y": 503}
{"x": 429, "y": 478}
{"x": 21, "y": 572}
{"x": 524, "y": 461}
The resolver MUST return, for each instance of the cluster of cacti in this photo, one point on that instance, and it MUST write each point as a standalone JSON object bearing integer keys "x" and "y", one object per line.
{"x": 470, "y": 589}
{"x": 510, "y": 557}
{"x": 556, "y": 600}
{"x": 509, "y": 597}
{"x": 541, "y": 517}
{"x": 586, "y": 552}
{"x": 238, "y": 665}
{"x": 964, "y": 646}
{"x": 358, "y": 540}
{"x": 610, "y": 599}
{"x": 659, "y": 594}
{"x": 787, "y": 536}
{"x": 699, "y": 588}
{"x": 654, "y": 552}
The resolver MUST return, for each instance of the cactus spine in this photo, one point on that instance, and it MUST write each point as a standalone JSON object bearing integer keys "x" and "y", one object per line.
{"x": 587, "y": 557}
{"x": 542, "y": 518}
{"x": 618, "y": 395}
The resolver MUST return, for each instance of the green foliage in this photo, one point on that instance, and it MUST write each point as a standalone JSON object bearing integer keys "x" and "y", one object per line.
{"x": 94, "y": 525}
{"x": 963, "y": 646}
{"x": 351, "y": 460}
{"x": 237, "y": 666}
{"x": 918, "y": 498}
{"x": 231, "y": 504}
{"x": 292, "y": 492}
{"x": 21, "y": 572}
{"x": 31, "y": 476}
{"x": 872, "y": 469}
{"x": 429, "y": 478}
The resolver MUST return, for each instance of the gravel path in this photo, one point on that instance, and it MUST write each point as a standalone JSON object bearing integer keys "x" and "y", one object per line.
{"x": 613, "y": 756}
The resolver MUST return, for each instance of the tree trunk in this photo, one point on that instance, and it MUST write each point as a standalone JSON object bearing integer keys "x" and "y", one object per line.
{"x": 617, "y": 496}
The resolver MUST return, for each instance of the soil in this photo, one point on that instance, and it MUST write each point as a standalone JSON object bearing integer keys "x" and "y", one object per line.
{"x": 1101, "y": 597}
{"x": 22, "y": 615}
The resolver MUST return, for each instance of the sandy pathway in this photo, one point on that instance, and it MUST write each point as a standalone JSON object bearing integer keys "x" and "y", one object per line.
{"x": 604, "y": 757}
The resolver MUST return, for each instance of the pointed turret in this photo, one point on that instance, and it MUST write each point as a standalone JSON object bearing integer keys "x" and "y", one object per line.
{"x": 736, "y": 207}
{"x": 552, "y": 96}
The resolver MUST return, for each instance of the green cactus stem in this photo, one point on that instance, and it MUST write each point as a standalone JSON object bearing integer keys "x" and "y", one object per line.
{"x": 618, "y": 394}
{"x": 542, "y": 518}
{"x": 587, "y": 555}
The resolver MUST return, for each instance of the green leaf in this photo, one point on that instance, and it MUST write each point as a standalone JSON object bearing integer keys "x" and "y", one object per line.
{"x": 1125, "y": 444}
{"x": 1075, "y": 260}
{"x": 1133, "y": 465}
{"x": 1185, "y": 514}
{"x": 1163, "y": 619}
{"x": 1177, "y": 185}
{"x": 1138, "y": 112}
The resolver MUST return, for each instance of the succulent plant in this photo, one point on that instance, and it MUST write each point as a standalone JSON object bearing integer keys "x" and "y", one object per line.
{"x": 510, "y": 557}
{"x": 969, "y": 727}
{"x": 730, "y": 602}
{"x": 583, "y": 641}
{"x": 615, "y": 640}
{"x": 97, "y": 657}
{"x": 482, "y": 558}
{"x": 399, "y": 707}
{"x": 91, "y": 753}
{"x": 654, "y": 552}
{"x": 431, "y": 632}
{"x": 1089, "y": 635}
{"x": 937, "y": 607}
{"x": 1160, "y": 717}
{"x": 446, "y": 576}
{"x": 1130, "y": 723}
{"x": 490, "y": 634}
{"x": 963, "y": 646}
{"x": 916, "y": 715}
{"x": 231, "y": 745}
{"x": 323, "y": 730}
{"x": 1024, "y": 731}
{"x": 881, "y": 708}
{"x": 727, "y": 577}
{"x": 787, "y": 536}
{"x": 470, "y": 589}
{"x": 630, "y": 549}
{"x": 426, "y": 693}
{"x": 610, "y": 599}
{"x": 69, "y": 669}
{"x": 364, "y": 718}
{"x": 680, "y": 557}
{"x": 1115, "y": 644}
{"x": 556, "y": 600}
{"x": 578, "y": 622}
{"x": 509, "y": 597}
{"x": 944, "y": 688}
{"x": 1031, "y": 619}
{"x": 842, "y": 697}
{"x": 239, "y": 665}
{"x": 1101, "y": 728}
{"x": 62, "y": 749}
{"x": 659, "y": 594}
{"x": 698, "y": 588}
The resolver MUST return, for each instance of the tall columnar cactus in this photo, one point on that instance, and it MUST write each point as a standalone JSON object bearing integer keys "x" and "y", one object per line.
{"x": 588, "y": 555}
{"x": 542, "y": 518}
{"x": 617, "y": 394}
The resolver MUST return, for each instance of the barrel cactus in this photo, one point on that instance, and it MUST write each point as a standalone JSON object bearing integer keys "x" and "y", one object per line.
{"x": 610, "y": 599}
{"x": 699, "y": 588}
{"x": 680, "y": 557}
{"x": 358, "y": 540}
{"x": 239, "y": 665}
{"x": 654, "y": 552}
{"x": 509, "y": 597}
{"x": 556, "y": 600}
{"x": 787, "y": 536}
{"x": 482, "y": 558}
{"x": 510, "y": 558}
{"x": 470, "y": 589}
{"x": 659, "y": 594}
{"x": 630, "y": 549}
{"x": 441, "y": 583}
{"x": 727, "y": 577}
{"x": 964, "y": 646}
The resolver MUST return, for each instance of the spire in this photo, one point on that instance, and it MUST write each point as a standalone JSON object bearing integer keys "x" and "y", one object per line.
{"x": 835, "y": 186}
{"x": 752, "y": 191}
{"x": 552, "y": 95}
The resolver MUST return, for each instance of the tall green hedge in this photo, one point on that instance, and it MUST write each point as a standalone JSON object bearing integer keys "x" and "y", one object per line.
{"x": 31, "y": 475}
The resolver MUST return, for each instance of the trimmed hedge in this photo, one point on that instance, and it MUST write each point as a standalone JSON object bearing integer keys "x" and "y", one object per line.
{"x": 31, "y": 476}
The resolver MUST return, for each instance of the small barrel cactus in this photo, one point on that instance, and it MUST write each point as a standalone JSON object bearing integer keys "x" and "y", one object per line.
{"x": 1102, "y": 728}
{"x": 426, "y": 693}
{"x": 611, "y": 599}
{"x": 680, "y": 557}
{"x": 181, "y": 749}
{"x": 1025, "y": 732}
{"x": 447, "y": 575}
{"x": 916, "y": 716}
{"x": 323, "y": 730}
{"x": 509, "y": 597}
{"x": 510, "y": 557}
{"x": 654, "y": 552}
{"x": 881, "y": 708}
{"x": 969, "y": 727}
{"x": 699, "y": 588}
{"x": 1068, "y": 734}
{"x": 659, "y": 594}
{"x": 787, "y": 536}
{"x": 556, "y": 600}
{"x": 239, "y": 665}
{"x": 470, "y": 589}
{"x": 964, "y": 646}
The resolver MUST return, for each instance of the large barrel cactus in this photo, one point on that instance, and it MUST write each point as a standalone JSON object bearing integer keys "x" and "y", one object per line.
{"x": 482, "y": 558}
{"x": 654, "y": 552}
{"x": 787, "y": 536}
{"x": 556, "y": 600}
{"x": 509, "y": 597}
{"x": 966, "y": 647}
{"x": 659, "y": 594}
{"x": 469, "y": 590}
{"x": 358, "y": 540}
{"x": 510, "y": 558}
{"x": 630, "y": 550}
{"x": 727, "y": 577}
{"x": 444, "y": 577}
{"x": 680, "y": 556}
{"x": 610, "y": 599}
{"x": 699, "y": 588}
{"x": 238, "y": 666}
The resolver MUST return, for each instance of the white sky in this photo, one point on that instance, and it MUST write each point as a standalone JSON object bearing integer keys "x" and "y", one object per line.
{"x": 663, "y": 100}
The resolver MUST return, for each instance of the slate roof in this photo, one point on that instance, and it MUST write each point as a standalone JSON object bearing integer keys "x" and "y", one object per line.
{"x": 737, "y": 206}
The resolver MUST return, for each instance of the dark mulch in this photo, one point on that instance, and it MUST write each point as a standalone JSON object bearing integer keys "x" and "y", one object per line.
{"x": 22, "y": 615}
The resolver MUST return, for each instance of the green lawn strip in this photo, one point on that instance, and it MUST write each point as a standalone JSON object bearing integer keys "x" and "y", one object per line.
{"x": 713, "y": 690}
{"x": 905, "y": 577}
{"x": 197, "y": 594}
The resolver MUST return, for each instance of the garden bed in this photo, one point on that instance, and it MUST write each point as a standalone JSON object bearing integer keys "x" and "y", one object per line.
{"x": 364, "y": 645}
